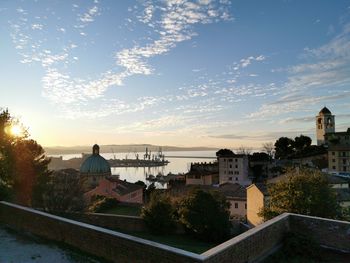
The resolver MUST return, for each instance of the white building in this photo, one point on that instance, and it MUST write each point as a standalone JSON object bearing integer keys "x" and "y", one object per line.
{"x": 234, "y": 169}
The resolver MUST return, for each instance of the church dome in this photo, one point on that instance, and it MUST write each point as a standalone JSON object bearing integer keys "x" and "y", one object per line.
{"x": 95, "y": 164}
{"x": 325, "y": 110}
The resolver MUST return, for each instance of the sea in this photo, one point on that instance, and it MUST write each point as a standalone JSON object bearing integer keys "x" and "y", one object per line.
{"x": 179, "y": 163}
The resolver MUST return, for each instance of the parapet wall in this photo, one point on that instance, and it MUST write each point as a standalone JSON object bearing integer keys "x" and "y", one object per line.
{"x": 333, "y": 234}
{"x": 104, "y": 243}
{"x": 250, "y": 246}
{"x": 115, "y": 222}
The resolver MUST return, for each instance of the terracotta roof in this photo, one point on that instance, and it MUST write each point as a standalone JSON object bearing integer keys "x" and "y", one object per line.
{"x": 123, "y": 187}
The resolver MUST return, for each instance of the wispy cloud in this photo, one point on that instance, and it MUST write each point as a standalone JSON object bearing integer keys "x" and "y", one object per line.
{"x": 327, "y": 68}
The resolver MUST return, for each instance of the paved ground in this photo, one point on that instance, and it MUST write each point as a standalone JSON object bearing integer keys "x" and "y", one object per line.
{"x": 24, "y": 248}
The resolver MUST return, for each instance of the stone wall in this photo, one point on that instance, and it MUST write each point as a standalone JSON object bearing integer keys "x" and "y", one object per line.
{"x": 330, "y": 233}
{"x": 115, "y": 222}
{"x": 107, "y": 244}
{"x": 251, "y": 246}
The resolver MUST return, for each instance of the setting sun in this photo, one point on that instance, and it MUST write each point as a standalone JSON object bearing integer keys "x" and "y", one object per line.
{"x": 16, "y": 130}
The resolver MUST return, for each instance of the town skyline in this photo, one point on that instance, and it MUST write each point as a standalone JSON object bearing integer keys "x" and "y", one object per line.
{"x": 182, "y": 73}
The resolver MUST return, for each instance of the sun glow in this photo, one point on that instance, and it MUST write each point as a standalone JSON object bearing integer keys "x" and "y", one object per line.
{"x": 16, "y": 130}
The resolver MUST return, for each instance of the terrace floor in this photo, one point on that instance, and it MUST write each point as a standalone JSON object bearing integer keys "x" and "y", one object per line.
{"x": 24, "y": 248}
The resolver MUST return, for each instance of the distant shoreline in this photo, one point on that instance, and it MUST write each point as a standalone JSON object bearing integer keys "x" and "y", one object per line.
{"x": 56, "y": 150}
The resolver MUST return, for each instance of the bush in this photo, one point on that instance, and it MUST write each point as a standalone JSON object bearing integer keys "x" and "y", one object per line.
{"x": 158, "y": 214}
{"x": 100, "y": 204}
{"x": 206, "y": 215}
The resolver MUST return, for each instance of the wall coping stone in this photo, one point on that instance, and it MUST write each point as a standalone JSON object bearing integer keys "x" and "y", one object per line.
{"x": 110, "y": 232}
{"x": 231, "y": 242}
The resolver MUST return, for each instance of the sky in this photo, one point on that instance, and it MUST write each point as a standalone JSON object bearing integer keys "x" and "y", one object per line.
{"x": 214, "y": 73}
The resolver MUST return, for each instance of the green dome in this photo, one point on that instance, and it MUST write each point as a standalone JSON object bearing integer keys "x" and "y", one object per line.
{"x": 95, "y": 164}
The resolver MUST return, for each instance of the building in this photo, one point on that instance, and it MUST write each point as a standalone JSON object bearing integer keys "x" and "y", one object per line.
{"x": 338, "y": 143}
{"x": 257, "y": 197}
{"x": 237, "y": 196}
{"x": 234, "y": 169}
{"x": 325, "y": 123}
{"x": 339, "y": 159}
{"x": 118, "y": 189}
{"x": 203, "y": 174}
{"x": 94, "y": 168}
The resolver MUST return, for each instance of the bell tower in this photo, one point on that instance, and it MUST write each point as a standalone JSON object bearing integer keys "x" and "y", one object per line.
{"x": 325, "y": 123}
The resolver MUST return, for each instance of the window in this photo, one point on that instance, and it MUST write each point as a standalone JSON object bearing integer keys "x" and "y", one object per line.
{"x": 236, "y": 172}
{"x": 333, "y": 160}
{"x": 344, "y": 161}
{"x": 344, "y": 154}
{"x": 236, "y": 178}
{"x": 333, "y": 153}
{"x": 230, "y": 160}
{"x": 333, "y": 167}
{"x": 344, "y": 168}
{"x": 236, "y": 205}
{"x": 236, "y": 166}
{"x": 230, "y": 165}
{"x": 236, "y": 160}
{"x": 230, "y": 178}
{"x": 245, "y": 205}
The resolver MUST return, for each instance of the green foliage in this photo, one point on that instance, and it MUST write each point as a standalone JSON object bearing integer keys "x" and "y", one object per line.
{"x": 100, "y": 204}
{"x": 64, "y": 192}
{"x": 303, "y": 192}
{"x": 287, "y": 148}
{"x": 158, "y": 214}
{"x": 22, "y": 162}
{"x": 206, "y": 215}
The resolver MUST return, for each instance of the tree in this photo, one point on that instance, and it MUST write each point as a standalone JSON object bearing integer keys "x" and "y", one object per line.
{"x": 159, "y": 214}
{"x": 206, "y": 215}
{"x": 64, "y": 192}
{"x": 244, "y": 150}
{"x": 224, "y": 152}
{"x": 284, "y": 148}
{"x": 304, "y": 192}
{"x": 301, "y": 142}
{"x": 269, "y": 148}
{"x": 22, "y": 161}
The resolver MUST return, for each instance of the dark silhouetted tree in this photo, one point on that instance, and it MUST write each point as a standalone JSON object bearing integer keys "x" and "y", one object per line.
{"x": 224, "y": 152}
{"x": 206, "y": 215}
{"x": 283, "y": 148}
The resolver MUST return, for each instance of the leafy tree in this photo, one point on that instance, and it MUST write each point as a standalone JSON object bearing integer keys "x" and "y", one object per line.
{"x": 303, "y": 192}
{"x": 64, "y": 192}
{"x": 159, "y": 213}
{"x": 301, "y": 142}
{"x": 224, "y": 152}
{"x": 22, "y": 162}
{"x": 283, "y": 147}
{"x": 206, "y": 215}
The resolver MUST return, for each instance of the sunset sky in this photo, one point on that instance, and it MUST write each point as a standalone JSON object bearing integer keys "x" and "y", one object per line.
{"x": 174, "y": 72}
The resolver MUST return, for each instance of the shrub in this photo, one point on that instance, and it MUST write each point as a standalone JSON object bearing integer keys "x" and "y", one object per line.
{"x": 206, "y": 215}
{"x": 158, "y": 214}
{"x": 100, "y": 204}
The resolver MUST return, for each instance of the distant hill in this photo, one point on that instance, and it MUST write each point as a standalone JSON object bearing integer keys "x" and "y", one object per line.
{"x": 121, "y": 148}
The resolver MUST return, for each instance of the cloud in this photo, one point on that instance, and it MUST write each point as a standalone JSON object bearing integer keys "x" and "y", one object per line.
{"x": 327, "y": 68}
